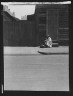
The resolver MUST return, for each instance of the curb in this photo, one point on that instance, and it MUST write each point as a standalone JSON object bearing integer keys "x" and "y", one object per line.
{"x": 50, "y": 53}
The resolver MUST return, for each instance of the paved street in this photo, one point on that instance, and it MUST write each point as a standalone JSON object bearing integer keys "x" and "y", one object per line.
{"x": 36, "y": 72}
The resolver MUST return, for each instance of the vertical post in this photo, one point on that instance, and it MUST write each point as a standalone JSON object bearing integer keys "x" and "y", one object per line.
{"x": 2, "y": 88}
{"x": 37, "y": 30}
{"x": 47, "y": 22}
{"x": 57, "y": 22}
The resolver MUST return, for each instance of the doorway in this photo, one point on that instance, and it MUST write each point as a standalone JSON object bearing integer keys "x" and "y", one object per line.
{"x": 52, "y": 23}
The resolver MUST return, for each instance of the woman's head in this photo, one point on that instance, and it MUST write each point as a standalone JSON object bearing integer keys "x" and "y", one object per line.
{"x": 48, "y": 36}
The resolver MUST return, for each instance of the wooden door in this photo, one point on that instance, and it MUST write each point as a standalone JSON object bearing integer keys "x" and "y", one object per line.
{"x": 52, "y": 23}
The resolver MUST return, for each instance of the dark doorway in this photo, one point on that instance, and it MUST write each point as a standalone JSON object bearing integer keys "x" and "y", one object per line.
{"x": 52, "y": 23}
{"x": 42, "y": 28}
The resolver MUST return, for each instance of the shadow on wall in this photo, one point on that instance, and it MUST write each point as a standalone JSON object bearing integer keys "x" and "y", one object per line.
{"x": 20, "y": 33}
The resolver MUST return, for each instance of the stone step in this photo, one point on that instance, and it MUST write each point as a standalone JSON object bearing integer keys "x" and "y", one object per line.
{"x": 55, "y": 44}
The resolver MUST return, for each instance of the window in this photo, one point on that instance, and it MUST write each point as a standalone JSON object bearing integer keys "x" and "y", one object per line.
{"x": 42, "y": 20}
{"x": 42, "y": 10}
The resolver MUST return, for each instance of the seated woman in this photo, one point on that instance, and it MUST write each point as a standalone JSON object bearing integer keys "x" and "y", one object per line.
{"x": 48, "y": 42}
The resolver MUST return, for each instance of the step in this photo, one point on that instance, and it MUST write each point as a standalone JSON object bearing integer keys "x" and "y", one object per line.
{"x": 55, "y": 44}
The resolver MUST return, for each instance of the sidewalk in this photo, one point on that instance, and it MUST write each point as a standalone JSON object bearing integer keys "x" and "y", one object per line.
{"x": 36, "y": 50}
{"x": 21, "y": 50}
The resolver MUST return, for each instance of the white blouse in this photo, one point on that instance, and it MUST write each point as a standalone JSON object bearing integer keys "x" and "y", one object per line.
{"x": 49, "y": 42}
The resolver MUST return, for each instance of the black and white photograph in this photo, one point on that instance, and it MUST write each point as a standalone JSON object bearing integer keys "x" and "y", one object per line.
{"x": 36, "y": 46}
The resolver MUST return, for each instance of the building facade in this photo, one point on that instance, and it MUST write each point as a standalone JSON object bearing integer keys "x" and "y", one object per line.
{"x": 17, "y": 32}
{"x": 52, "y": 19}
